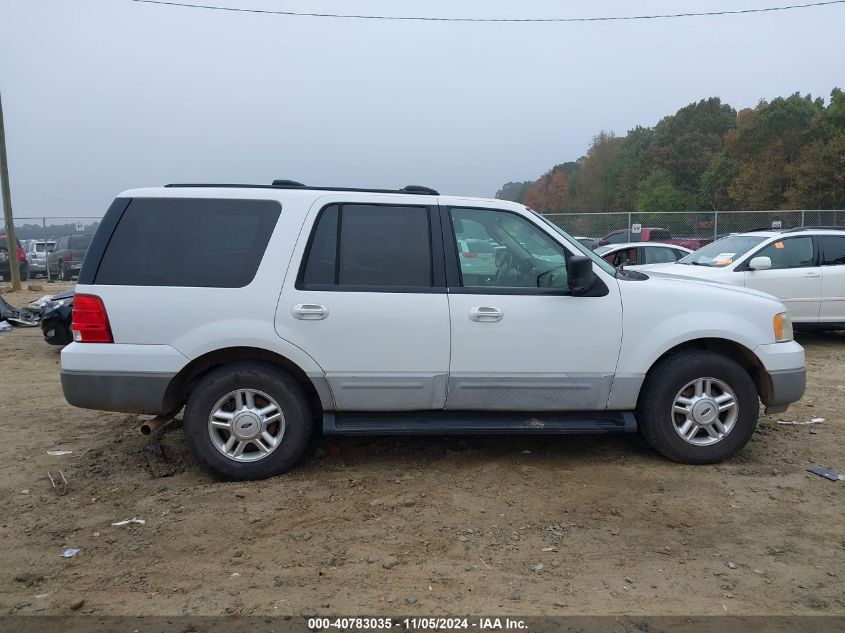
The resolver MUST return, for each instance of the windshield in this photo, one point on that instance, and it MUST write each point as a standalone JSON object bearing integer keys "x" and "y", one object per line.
{"x": 571, "y": 240}
{"x": 722, "y": 252}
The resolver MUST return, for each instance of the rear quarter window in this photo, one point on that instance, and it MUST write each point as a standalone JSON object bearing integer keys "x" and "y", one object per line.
{"x": 190, "y": 242}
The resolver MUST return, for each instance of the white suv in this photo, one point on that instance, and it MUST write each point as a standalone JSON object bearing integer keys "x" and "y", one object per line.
{"x": 270, "y": 312}
{"x": 803, "y": 267}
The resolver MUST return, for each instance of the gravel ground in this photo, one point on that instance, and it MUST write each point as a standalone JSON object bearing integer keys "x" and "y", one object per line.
{"x": 503, "y": 525}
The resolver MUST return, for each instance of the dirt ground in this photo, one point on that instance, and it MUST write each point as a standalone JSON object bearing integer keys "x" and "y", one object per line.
{"x": 459, "y": 525}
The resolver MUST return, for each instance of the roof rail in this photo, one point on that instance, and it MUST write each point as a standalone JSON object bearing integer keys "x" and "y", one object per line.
{"x": 292, "y": 184}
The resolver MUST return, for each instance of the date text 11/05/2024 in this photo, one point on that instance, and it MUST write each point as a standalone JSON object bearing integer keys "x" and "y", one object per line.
{"x": 421, "y": 623}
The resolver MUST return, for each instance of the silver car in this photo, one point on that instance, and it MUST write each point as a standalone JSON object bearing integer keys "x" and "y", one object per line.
{"x": 36, "y": 255}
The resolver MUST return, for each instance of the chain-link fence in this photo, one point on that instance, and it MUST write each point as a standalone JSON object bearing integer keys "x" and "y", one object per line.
{"x": 703, "y": 226}
{"x": 53, "y": 247}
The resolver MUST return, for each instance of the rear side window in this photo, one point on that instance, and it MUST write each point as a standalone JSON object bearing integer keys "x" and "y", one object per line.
{"x": 371, "y": 246}
{"x": 80, "y": 242}
{"x": 206, "y": 243}
{"x": 832, "y": 250}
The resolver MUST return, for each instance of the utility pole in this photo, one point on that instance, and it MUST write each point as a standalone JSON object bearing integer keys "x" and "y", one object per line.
{"x": 11, "y": 242}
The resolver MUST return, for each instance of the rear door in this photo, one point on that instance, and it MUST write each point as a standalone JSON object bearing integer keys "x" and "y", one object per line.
{"x": 520, "y": 340}
{"x": 366, "y": 298}
{"x": 832, "y": 259}
{"x": 795, "y": 278}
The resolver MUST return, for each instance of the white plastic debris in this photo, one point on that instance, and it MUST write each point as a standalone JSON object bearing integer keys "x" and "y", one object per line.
{"x": 59, "y": 453}
{"x": 40, "y": 303}
{"x": 5, "y": 326}
{"x": 70, "y": 553}
{"x": 128, "y": 521}
{"x": 801, "y": 422}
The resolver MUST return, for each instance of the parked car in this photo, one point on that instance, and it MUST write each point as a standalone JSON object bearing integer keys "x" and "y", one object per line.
{"x": 638, "y": 253}
{"x": 348, "y": 312}
{"x": 56, "y": 319}
{"x": 651, "y": 234}
{"x": 36, "y": 255}
{"x": 5, "y": 260}
{"x": 68, "y": 253}
{"x": 804, "y": 268}
{"x": 590, "y": 242}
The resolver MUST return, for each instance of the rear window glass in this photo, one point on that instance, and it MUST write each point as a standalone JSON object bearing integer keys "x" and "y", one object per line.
{"x": 378, "y": 246}
{"x": 80, "y": 242}
{"x": 206, "y": 243}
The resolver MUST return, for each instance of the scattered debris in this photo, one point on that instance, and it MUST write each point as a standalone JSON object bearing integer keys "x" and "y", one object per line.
{"x": 76, "y": 604}
{"x": 409, "y": 501}
{"x": 629, "y": 580}
{"x": 390, "y": 562}
{"x": 411, "y": 600}
{"x": 128, "y": 521}
{"x": 157, "y": 461}
{"x": 731, "y": 564}
{"x": 5, "y": 326}
{"x": 538, "y": 568}
{"x": 71, "y": 552}
{"x": 47, "y": 594}
{"x": 663, "y": 550}
{"x": 801, "y": 422}
{"x": 59, "y": 482}
{"x": 549, "y": 549}
{"x": 19, "y": 316}
{"x": 827, "y": 473}
{"x": 59, "y": 453}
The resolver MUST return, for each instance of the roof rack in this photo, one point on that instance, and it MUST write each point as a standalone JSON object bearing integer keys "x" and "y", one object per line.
{"x": 292, "y": 184}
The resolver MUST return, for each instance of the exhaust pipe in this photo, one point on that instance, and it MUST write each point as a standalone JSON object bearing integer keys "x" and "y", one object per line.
{"x": 151, "y": 426}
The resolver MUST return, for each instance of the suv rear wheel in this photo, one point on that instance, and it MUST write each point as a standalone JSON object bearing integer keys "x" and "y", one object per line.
{"x": 698, "y": 407}
{"x": 248, "y": 421}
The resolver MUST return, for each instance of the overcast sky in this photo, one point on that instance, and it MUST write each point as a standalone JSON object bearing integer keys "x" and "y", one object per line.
{"x": 103, "y": 95}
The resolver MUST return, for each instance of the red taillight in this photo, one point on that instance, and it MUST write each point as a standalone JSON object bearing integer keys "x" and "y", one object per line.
{"x": 21, "y": 255}
{"x": 90, "y": 322}
{"x": 67, "y": 257}
{"x": 470, "y": 255}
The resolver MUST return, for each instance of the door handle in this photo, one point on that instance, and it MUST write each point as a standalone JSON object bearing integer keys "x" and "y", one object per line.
{"x": 484, "y": 314}
{"x": 812, "y": 275}
{"x": 309, "y": 311}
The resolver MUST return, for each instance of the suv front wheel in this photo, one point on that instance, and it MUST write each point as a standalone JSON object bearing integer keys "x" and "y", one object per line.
{"x": 248, "y": 421}
{"x": 698, "y": 407}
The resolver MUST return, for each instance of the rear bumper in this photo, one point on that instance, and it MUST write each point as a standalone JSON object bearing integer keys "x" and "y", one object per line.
{"x": 126, "y": 392}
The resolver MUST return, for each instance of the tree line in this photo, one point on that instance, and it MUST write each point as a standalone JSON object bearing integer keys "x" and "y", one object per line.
{"x": 788, "y": 153}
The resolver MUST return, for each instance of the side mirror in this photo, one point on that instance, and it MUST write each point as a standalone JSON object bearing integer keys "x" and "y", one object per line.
{"x": 760, "y": 263}
{"x": 579, "y": 271}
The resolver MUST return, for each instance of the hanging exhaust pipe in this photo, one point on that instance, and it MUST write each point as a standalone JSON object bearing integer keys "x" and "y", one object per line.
{"x": 151, "y": 426}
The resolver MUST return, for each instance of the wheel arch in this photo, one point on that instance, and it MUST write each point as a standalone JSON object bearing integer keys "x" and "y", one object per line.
{"x": 737, "y": 352}
{"x": 181, "y": 385}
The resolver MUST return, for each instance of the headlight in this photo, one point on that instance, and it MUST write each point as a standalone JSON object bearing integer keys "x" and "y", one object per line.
{"x": 782, "y": 326}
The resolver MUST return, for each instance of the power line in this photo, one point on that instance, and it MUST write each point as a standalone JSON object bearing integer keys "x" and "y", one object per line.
{"x": 349, "y": 16}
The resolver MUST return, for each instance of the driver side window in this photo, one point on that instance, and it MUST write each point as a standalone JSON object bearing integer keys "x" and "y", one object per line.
{"x": 498, "y": 249}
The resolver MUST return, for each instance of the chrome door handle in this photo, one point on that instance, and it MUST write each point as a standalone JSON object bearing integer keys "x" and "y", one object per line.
{"x": 484, "y": 314}
{"x": 309, "y": 311}
{"x": 812, "y": 275}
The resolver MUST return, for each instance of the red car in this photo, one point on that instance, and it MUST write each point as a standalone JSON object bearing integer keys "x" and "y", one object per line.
{"x": 651, "y": 234}
{"x": 5, "y": 260}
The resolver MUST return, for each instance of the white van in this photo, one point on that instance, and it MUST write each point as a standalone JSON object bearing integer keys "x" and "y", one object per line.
{"x": 271, "y": 312}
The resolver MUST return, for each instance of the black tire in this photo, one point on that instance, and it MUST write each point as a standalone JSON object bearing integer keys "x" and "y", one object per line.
{"x": 25, "y": 272}
{"x": 665, "y": 381}
{"x": 288, "y": 393}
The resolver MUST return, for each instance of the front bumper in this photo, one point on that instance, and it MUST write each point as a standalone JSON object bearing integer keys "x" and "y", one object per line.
{"x": 785, "y": 374}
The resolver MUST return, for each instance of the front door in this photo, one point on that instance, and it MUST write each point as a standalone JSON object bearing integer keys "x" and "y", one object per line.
{"x": 794, "y": 277}
{"x": 520, "y": 340}
{"x": 368, "y": 303}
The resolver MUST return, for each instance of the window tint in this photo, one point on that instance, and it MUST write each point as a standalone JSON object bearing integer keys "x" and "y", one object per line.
{"x": 387, "y": 246}
{"x": 659, "y": 255}
{"x": 832, "y": 250}
{"x": 322, "y": 254}
{"x": 618, "y": 238}
{"x": 659, "y": 235}
{"x": 209, "y": 243}
{"x": 795, "y": 252}
{"x": 40, "y": 247}
{"x": 522, "y": 255}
